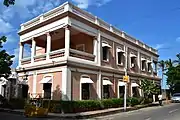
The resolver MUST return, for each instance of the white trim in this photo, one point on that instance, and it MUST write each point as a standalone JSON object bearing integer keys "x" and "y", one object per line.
{"x": 99, "y": 86}
{"x": 134, "y": 85}
{"x": 143, "y": 59}
{"x": 46, "y": 80}
{"x": 34, "y": 83}
{"x": 120, "y": 83}
{"x": 66, "y": 83}
{"x": 85, "y": 79}
{"x": 119, "y": 49}
{"x": 106, "y": 81}
{"x": 104, "y": 44}
{"x": 132, "y": 55}
{"x": 83, "y": 71}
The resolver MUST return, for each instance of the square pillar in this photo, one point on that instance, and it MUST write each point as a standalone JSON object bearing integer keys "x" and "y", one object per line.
{"x": 67, "y": 41}
{"x": 139, "y": 62}
{"x": 33, "y": 50}
{"x": 99, "y": 50}
{"x": 95, "y": 49}
{"x": 21, "y": 49}
{"x": 66, "y": 84}
{"x": 48, "y": 46}
{"x": 99, "y": 85}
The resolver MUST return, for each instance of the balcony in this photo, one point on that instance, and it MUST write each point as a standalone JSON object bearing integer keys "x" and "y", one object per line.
{"x": 54, "y": 45}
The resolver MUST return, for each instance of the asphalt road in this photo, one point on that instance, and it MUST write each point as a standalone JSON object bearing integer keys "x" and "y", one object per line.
{"x": 167, "y": 112}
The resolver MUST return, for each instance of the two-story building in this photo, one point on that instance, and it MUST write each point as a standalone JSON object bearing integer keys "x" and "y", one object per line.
{"x": 75, "y": 56}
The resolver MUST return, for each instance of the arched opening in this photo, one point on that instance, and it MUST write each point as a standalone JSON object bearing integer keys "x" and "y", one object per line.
{"x": 47, "y": 86}
{"x": 106, "y": 87}
{"x": 86, "y": 83}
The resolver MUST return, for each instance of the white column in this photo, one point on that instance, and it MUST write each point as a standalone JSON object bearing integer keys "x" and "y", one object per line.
{"x": 99, "y": 48}
{"x": 33, "y": 50}
{"x": 34, "y": 84}
{"x": 48, "y": 47}
{"x": 95, "y": 50}
{"x": 66, "y": 84}
{"x": 152, "y": 66}
{"x": 138, "y": 62}
{"x": 99, "y": 84}
{"x": 140, "y": 90}
{"x": 21, "y": 52}
{"x": 67, "y": 41}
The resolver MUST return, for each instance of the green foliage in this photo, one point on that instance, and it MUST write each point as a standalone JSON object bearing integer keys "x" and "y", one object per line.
{"x": 149, "y": 88}
{"x": 5, "y": 60}
{"x": 9, "y": 2}
{"x": 173, "y": 77}
{"x": 79, "y": 106}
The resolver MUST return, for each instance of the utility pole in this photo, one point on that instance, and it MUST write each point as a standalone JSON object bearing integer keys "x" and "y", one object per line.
{"x": 125, "y": 77}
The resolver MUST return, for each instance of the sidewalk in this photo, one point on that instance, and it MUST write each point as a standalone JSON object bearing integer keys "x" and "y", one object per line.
{"x": 89, "y": 114}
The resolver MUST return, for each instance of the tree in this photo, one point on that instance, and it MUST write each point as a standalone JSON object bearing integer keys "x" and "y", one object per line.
{"x": 168, "y": 63}
{"x": 5, "y": 60}
{"x": 173, "y": 78}
{"x": 9, "y": 2}
{"x": 149, "y": 88}
{"x": 178, "y": 59}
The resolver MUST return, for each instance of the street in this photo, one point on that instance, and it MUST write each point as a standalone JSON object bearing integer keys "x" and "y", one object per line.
{"x": 167, "y": 112}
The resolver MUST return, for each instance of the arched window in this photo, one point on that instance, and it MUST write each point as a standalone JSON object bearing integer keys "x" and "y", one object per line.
{"x": 105, "y": 50}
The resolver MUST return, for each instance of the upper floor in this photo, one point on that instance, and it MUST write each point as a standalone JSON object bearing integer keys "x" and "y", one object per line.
{"x": 68, "y": 33}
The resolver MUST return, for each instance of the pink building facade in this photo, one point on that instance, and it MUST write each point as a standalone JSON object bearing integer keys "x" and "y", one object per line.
{"x": 76, "y": 56}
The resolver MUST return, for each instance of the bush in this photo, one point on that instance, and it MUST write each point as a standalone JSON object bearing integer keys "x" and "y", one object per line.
{"x": 58, "y": 106}
{"x": 17, "y": 103}
{"x": 133, "y": 101}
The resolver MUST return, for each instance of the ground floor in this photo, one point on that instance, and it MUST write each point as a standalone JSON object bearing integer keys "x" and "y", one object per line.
{"x": 69, "y": 83}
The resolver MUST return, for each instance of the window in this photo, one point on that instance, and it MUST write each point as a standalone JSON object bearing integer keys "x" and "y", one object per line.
{"x": 106, "y": 91}
{"x": 143, "y": 65}
{"x": 121, "y": 91}
{"x": 47, "y": 90}
{"x": 105, "y": 50}
{"x": 155, "y": 66}
{"x": 80, "y": 47}
{"x": 133, "y": 61}
{"x": 85, "y": 91}
{"x": 149, "y": 66}
{"x": 120, "y": 56}
{"x": 105, "y": 53}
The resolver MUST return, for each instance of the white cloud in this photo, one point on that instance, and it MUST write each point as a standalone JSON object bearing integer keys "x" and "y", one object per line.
{"x": 159, "y": 46}
{"x": 5, "y": 27}
{"x": 84, "y": 4}
{"x": 178, "y": 39}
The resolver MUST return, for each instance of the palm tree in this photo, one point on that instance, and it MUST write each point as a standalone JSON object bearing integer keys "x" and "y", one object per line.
{"x": 178, "y": 59}
{"x": 162, "y": 65}
{"x": 169, "y": 63}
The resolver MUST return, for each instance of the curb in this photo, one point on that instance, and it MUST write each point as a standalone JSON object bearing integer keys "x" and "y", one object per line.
{"x": 84, "y": 116}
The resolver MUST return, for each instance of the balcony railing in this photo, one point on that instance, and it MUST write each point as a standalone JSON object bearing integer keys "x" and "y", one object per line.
{"x": 26, "y": 61}
{"x": 82, "y": 55}
{"x": 40, "y": 57}
{"x": 57, "y": 53}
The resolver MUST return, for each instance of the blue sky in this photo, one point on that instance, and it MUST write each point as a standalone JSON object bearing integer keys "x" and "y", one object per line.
{"x": 155, "y": 22}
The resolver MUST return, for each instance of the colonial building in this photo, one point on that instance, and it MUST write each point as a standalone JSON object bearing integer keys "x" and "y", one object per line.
{"x": 75, "y": 56}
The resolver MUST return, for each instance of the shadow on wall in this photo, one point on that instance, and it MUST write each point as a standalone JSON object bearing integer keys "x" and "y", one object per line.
{"x": 93, "y": 95}
{"x": 57, "y": 94}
